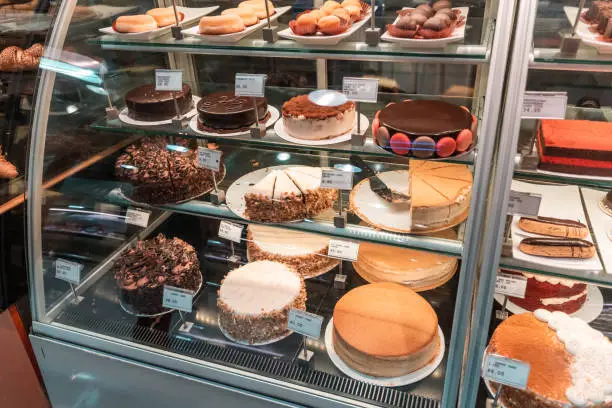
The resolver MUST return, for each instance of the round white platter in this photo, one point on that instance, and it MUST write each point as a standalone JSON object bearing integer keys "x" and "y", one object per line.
{"x": 279, "y": 128}
{"x": 123, "y": 116}
{"x": 274, "y": 116}
{"x": 246, "y": 343}
{"x": 591, "y": 309}
{"x": 411, "y": 378}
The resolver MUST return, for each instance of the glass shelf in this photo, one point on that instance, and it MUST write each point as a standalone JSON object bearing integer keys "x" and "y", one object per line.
{"x": 243, "y": 160}
{"x": 587, "y": 59}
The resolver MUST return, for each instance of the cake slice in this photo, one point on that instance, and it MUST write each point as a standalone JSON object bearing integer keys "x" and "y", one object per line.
{"x": 285, "y": 188}
{"x": 265, "y": 187}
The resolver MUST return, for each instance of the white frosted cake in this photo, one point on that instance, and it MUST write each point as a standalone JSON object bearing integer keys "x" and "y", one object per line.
{"x": 306, "y": 253}
{"x": 254, "y": 301}
{"x": 303, "y": 119}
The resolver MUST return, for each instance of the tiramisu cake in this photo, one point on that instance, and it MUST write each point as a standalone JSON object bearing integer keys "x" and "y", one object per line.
{"x": 570, "y": 362}
{"x": 303, "y": 119}
{"x": 255, "y": 299}
{"x": 159, "y": 172}
{"x": 550, "y": 293}
{"x": 304, "y": 252}
{"x": 289, "y": 194}
{"x": 575, "y": 147}
{"x": 385, "y": 330}
{"x": 223, "y": 112}
{"x": 142, "y": 271}
{"x": 146, "y": 104}
{"x": 419, "y": 270}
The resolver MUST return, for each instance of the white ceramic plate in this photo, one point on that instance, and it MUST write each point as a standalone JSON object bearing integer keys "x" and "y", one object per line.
{"x": 458, "y": 34}
{"x": 411, "y": 378}
{"x": 584, "y": 32}
{"x": 234, "y": 37}
{"x": 279, "y": 128}
{"x": 557, "y": 202}
{"x": 274, "y": 115}
{"x": 123, "y": 116}
{"x": 590, "y": 311}
{"x": 601, "y": 222}
{"x": 321, "y": 39}
{"x": 191, "y": 15}
{"x": 263, "y": 343}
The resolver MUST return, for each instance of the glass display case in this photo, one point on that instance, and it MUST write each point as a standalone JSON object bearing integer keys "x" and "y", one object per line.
{"x": 551, "y": 216}
{"x": 284, "y": 201}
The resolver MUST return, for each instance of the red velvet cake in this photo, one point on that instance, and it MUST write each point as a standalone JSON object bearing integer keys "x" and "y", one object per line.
{"x": 552, "y": 294}
{"x": 575, "y": 146}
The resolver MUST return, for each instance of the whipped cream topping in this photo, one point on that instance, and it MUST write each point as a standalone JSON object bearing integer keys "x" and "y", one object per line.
{"x": 591, "y": 368}
{"x": 551, "y": 280}
{"x": 561, "y": 300}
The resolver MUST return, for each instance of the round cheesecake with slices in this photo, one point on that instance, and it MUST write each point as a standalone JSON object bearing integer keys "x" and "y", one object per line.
{"x": 254, "y": 301}
{"x": 305, "y": 120}
{"x": 570, "y": 362}
{"x": 223, "y": 112}
{"x": 385, "y": 330}
{"x": 306, "y": 253}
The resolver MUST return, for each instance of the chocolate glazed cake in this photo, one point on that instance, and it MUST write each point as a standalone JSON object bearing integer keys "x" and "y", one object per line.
{"x": 145, "y": 103}
{"x": 223, "y": 112}
{"x": 142, "y": 271}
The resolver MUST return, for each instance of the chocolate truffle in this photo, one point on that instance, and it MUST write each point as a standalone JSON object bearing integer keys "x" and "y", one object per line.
{"x": 448, "y": 12}
{"x": 446, "y": 146}
{"x": 427, "y": 9}
{"x": 419, "y": 19}
{"x": 435, "y": 24}
{"x": 423, "y": 147}
{"x": 400, "y": 144}
{"x": 464, "y": 140}
{"x": 442, "y": 4}
{"x": 406, "y": 23}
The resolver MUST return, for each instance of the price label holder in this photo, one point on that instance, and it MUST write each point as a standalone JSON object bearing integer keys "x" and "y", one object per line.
{"x": 372, "y": 33}
{"x": 171, "y": 80}
{"x": 544, "y": 105}
{"x": 270, "y": 33}
{"x": 526, "y": 204}
{"x": 211, "y": 159}
{"x": 511, "y": 285}
{"x": 501, "y": 314}
{"x": 343, "y": 250}
{"x": 506, "y": 371}
{"x": 176, "y": 29}
{"x": 138, "y": 217}
{"x": 306, "y": 324}
{"x": 181, "y": 300}
{"x": 233, "y": 233}
{"x": 341, "y": 180}
{"x": 360, "y": 90}
{"x": 254, "y": 86}
{"x": 70, "y": 272}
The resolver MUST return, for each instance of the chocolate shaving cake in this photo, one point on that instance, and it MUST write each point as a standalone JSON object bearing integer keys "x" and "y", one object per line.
{"x": 223, "y": 112}
{"x": 142, "y": 271}
{"x": 159, "y": 172}
{"x": 145, "y": 103}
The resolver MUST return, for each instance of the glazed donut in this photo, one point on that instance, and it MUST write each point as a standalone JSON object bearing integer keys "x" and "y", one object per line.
{"x": 215, "y": 25}
{"x": 259, "y": 7}
{"x": 134, "y": 24}
{"x": 329, "y": 6}
{"x": 332, "y": 25}
{"x": 247, "y": 14}
{"x": 165, "y": 16}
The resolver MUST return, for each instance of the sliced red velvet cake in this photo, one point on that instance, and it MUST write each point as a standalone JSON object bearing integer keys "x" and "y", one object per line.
{"x": 575, "y": 146}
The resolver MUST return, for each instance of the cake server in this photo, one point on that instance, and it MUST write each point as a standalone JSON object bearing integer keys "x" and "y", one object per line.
{"x": 377, "y": 185}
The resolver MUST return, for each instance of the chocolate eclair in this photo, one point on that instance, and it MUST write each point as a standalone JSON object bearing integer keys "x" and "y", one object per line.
{"x": 554, "y": 227}
{"x": 406, "y": 23}
{"x": 558, "y": 248}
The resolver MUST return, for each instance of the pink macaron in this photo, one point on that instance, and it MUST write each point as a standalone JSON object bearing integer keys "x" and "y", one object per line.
{"x": 377, "y": 115}
{"x": 400, "y": 144}
{"x": 446, "y": 146}
{"x": 464, "y": 140}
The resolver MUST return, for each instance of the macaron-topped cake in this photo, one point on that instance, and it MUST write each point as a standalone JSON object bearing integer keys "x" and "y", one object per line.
{"x": 425, "y": 129}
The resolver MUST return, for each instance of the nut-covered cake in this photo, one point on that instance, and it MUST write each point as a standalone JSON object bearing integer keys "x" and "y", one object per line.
{"x": 305, "y": 120}
{"x": 306, "y": 253}
{"x": 223, "y": 112}
{"x": 255, "y": 299}
{"x": 293, "y": 193}
{"x": 147, "y": 104}
{"x": 159, "y": 172}
{"x": 385, "y": 330}
{"x": 570, "y": 362}
{"x": 142, "y": 271}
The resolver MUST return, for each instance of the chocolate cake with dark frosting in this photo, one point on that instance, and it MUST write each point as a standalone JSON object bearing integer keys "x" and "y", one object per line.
{"x": 142, "y": 271}
{"x": 159, "y": 172}
{"x": 223, "y": 112}
{"x": 145, "y": 103}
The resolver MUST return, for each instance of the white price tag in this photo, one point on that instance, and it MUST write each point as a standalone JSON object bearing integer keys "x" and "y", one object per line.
{"x": 501, "y": 314}
{"x": 360, "y": 89}
{"x": 168, "y": 80}
{"x": 230, "y": 231}
{"x": 513, "y": 373}
{"x": 521, "y": 203}
{"x": 511, "y": 285}
{"x": 68, "y": 271}
{"x": 544, "y": 105}
{"x": 304, "y": 323}
{"x": 346, "y": 250}
{"x": 178, "y": 298}
{"x": 332, "y": 178}
{"x": 250, "y": 85}
{"x": 209, "y": 159}
{"x": 137, "y": 217}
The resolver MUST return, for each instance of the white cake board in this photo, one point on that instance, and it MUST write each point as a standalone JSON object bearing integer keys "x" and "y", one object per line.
{"x": 411, "y": 378}
{"x": 590, "y": 311}
{"x": 320, "y": 272}
{"x": 123, "y": 116}
{"x": 274, "y": 116}
{"x": 601, "y": 222}
{"x": 279, "y": 128}
{"x": 245, "y": 343}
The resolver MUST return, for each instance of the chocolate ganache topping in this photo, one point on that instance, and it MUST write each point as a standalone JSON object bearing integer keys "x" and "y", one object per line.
{"x": 224, "y": 110}
{"x": 145, "y": 103}
{"x": 561, "y": 221}
{"x": 568, "y": 242}
{"x": 429, "y": 118}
